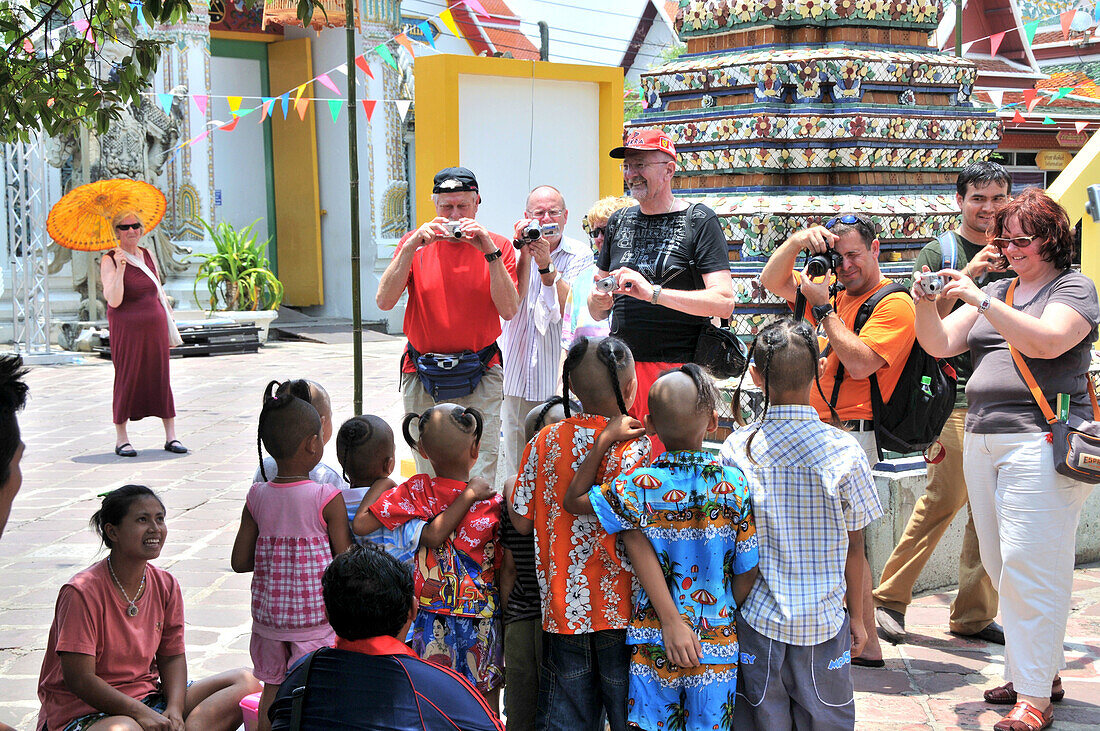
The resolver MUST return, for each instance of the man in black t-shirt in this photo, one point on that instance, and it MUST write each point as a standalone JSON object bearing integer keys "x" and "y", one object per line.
{"x": 670, "y": 261}
{"x": 981, "y": 188}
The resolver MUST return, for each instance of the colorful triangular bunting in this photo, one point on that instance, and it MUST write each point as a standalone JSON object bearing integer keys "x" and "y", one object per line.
{"x": 1048, "y": 120}
{"x": 285, "y": 98}
{"x": 1018, "y": 118}
{"x": 234, "y": 103}
{"x": 301, "y": 106}
{"x": 232, "y": 125}
{"x": 334, "y": 108}
{"x": 368, "y": 107}
{"x": 1029, "y": 30}
{"x": 361, "y": 62}
{"x": 1067, "y": 20}
{"x": 384, "y": 52}
{"x": 426, "y": 29}
{"x": 165, "y": 102}
{"x": 1063, "y": 92}
{"x": 403, "y": 40}
{"x": 997, "y": 96}
{"x": 995, "y": 42}
{"x": 200, "y": 102}
{"x": 402, "y": 107}
{"x": 327, "y": 82}
{"x": 1080, "y": 126}
{"x": 448, "y": 19}
{"x": 477, "y": 8}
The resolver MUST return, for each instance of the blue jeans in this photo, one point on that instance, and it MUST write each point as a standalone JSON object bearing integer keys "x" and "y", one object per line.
{"x": 584, "y": 676}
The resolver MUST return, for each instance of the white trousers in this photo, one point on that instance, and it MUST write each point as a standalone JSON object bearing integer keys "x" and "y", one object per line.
{"x": 513, "y": 414}
{"x": 1026, "y": 515}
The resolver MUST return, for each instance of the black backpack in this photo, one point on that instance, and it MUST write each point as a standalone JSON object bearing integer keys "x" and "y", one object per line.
{"x": 913, "y": 418}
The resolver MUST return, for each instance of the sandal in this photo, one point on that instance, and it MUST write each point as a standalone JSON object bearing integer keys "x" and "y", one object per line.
{"x": 1025, "y": 717}
{"x": 1005, "y": 695}
{"x": 175, "y": 446}
{"x": 125, "y": 450}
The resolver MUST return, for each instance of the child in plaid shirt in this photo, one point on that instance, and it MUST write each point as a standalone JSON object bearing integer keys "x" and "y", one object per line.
{"x": 687, "y": 524}
{"x": 812, "y": 494}
{"x": 291, "y": 527}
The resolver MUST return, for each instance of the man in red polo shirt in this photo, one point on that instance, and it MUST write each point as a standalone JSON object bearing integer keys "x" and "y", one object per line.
{"x": 371, "y": 680}
{"x": 461, "y": 282}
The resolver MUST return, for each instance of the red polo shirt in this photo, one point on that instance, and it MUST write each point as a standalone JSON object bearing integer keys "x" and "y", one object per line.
{"x": 450, "y": 307}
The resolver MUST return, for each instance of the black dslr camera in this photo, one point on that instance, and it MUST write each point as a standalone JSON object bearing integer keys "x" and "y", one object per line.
{"x": 818, "y": 264}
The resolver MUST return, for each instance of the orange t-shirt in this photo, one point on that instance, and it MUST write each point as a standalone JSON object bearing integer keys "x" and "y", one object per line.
{"x": 889, "y": 332}
{"x": 583, "y": 572}
{"x": 450, "y": 307}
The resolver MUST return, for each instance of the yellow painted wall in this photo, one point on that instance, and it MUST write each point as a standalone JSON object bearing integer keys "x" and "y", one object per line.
{"x": 438, "y": 100}
{"x": 1070, "y": 190}
{"x": 297, "y": 192}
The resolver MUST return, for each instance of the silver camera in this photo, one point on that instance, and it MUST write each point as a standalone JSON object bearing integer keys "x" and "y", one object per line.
{"x": 605, "y": 285}
{"x": 535, "y": 231}
{"x": 454, "y": 228}
{"x": 932, "y": 283}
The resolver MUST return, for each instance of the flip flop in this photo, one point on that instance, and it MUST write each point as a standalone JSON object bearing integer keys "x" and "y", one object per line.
{"x": 1025, "y": 717}
{"x": 125, "y": 450}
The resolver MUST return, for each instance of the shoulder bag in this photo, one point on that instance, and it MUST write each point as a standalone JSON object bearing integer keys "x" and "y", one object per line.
{"x": 1076, "y": 441}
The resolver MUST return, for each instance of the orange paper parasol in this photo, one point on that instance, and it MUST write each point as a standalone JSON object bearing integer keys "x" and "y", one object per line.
{"x": 81, "y": 220}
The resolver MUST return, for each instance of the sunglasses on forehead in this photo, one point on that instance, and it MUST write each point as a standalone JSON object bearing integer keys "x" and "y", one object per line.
{"x": 849, "y": 219}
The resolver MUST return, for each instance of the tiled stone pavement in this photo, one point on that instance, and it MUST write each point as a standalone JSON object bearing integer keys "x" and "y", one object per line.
{"x": 935, "y": 682}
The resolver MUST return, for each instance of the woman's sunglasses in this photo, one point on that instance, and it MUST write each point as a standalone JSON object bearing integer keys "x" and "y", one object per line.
{"x": 1020, "y": 242}
{"x": 128, "y": 226}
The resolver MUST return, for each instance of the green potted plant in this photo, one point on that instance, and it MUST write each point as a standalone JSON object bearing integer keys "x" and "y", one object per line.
{"x": 238, "y": 277}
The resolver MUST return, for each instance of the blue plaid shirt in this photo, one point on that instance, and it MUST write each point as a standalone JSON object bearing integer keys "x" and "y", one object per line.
{"x": 811, "y": 485}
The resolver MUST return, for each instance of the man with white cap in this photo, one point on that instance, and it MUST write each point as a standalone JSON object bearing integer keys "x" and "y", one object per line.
{"x": 670, "y": 261}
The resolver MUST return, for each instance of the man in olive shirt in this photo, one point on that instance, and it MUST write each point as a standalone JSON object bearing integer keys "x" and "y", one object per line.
{"x": 981, "y": 188}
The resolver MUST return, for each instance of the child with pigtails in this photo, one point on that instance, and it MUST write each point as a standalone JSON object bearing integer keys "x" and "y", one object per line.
{"x": 458, "y": 622}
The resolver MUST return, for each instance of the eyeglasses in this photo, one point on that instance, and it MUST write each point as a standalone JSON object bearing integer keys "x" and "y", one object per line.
{"x": 1020, "y": 242}
{"x": 128, "y": 226}
{"x": 628, "y": 166}
{"x": 552, "y": 212}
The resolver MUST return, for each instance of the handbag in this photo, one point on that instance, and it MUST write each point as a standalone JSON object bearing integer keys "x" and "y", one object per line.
{"x": 447, "y": 377}
{"x": 720, "y": 351}
{"x": 1076, "y": 442}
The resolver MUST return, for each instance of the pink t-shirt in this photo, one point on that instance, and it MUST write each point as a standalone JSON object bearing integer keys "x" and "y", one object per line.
{"x": 91, "y": 613}
{"x": 292, "y": 551}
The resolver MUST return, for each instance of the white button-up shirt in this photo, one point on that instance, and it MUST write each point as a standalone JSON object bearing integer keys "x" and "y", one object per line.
{"x": 531, "y": 341}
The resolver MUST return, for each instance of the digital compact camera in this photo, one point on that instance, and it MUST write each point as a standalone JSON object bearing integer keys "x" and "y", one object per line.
{"x": 535, "y": 231}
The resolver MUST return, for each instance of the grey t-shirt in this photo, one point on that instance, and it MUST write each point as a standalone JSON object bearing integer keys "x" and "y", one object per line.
{"x": 1000, "y": 401}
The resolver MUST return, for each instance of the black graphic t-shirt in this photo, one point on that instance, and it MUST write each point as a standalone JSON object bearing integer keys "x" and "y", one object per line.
{"x": 655, "y": 247}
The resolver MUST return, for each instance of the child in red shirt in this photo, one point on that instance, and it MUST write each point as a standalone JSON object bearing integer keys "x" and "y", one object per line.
{"x": 459, "y": 619}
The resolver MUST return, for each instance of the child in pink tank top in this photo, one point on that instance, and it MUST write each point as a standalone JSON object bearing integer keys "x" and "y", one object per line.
{"x": 290, "y": 529}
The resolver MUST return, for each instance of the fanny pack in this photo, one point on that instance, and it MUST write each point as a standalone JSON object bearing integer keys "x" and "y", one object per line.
{"x": 1076, "y": 441}
{"x": 447, "y": 377}
{"x": 720, "y": 351}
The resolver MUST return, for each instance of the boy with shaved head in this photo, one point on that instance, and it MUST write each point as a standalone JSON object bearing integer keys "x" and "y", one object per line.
{"x": 687, "y": 524}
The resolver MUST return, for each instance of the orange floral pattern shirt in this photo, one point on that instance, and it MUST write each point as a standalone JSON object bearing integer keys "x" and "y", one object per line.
{"x": 585, "y": 579}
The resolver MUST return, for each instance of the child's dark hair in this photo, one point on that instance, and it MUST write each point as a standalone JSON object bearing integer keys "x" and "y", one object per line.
{"x": 611, "y": 351}
{"x": 285, "y": 420}
{"x": 364, "y": 445}
{"x": 773, "y": 353}
{"x": 468, "y": 419}
{"x": 367, "y": 593}
{"x": 704, "y": 386}
{"x": 116, "y": 504}
{"x": 540, "y": 420}
{"x": 13, "y": 397}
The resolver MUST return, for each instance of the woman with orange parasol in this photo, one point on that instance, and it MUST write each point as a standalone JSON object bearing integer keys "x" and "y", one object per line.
{"x": 114, "y": 214}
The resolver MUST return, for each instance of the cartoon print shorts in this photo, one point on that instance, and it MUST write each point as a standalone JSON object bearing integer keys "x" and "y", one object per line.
{"x": 662, "y": 695}
{"x": 467, "y": 645}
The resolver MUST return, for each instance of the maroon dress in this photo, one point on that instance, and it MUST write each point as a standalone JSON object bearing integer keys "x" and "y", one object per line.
{"x": 139, "y": 348}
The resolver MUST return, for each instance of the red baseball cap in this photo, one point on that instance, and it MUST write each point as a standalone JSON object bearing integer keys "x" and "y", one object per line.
{"x": 644, "y": 139}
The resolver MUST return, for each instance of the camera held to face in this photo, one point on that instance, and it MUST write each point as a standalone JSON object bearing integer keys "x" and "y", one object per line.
{"x": 931, "y": 283}
{"x": 605, "y": 285}
{"x": 454, "y": 228}
{"x": 535, "y": 231}
{"x": 819, "y": 265}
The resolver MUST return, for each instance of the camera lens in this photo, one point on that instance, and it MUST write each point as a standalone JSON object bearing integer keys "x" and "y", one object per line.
{"x": 818, "y": 265}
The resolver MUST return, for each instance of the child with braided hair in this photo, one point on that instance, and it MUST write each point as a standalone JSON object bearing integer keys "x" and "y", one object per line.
{"x": 457, "y": 598}
{"x": 584, "y": 575}
{"x": 812, "y": 495}
{"x": 364, "y": 446}
{"x": 315, "y": 395}
{"x": 291, "y": 527}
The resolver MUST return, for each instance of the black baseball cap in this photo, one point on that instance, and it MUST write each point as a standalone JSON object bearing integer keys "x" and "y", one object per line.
{"x": 454, "y": 180}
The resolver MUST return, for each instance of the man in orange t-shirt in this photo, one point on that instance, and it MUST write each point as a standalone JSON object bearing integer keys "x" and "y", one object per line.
{"x": 460, "y": 286}
{"x": 881, "y": 347}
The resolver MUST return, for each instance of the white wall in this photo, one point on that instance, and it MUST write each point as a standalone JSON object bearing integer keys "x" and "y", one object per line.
{"x": 515, "y": 134}
{"x": 239, "y": 155}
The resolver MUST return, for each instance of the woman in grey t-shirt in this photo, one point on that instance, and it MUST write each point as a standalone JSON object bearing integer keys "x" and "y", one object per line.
{"x": 1025, "y": 513}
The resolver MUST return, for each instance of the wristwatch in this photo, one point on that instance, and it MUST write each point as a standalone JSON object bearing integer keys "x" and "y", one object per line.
{"x": 549, "y": 268}
{"x": 493, "y": 255}
{"x": 820, "y": 312}
{"x": 985, "y": 305}
{"x": 656, "y": 293}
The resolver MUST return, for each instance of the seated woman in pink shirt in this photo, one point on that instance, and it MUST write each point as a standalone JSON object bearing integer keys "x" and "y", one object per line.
{"x": 115, "y": 656}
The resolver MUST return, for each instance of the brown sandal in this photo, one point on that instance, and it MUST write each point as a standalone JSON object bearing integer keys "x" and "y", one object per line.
{"x": 1005, "y": 695}
{"x": 1025, "y": 717}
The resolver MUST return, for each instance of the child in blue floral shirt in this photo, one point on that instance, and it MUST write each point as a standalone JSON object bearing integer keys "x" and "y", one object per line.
{"x": 687, "y": 525}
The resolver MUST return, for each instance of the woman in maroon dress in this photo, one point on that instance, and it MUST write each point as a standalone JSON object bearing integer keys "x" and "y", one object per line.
{"x": 137, "y": 315}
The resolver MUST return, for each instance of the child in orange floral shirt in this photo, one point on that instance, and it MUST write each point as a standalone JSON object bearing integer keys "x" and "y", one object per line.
{"x": 584, "y": 575}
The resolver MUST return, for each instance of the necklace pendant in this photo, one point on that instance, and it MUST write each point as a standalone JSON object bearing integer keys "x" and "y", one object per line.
{"x": 132, "y": 610}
